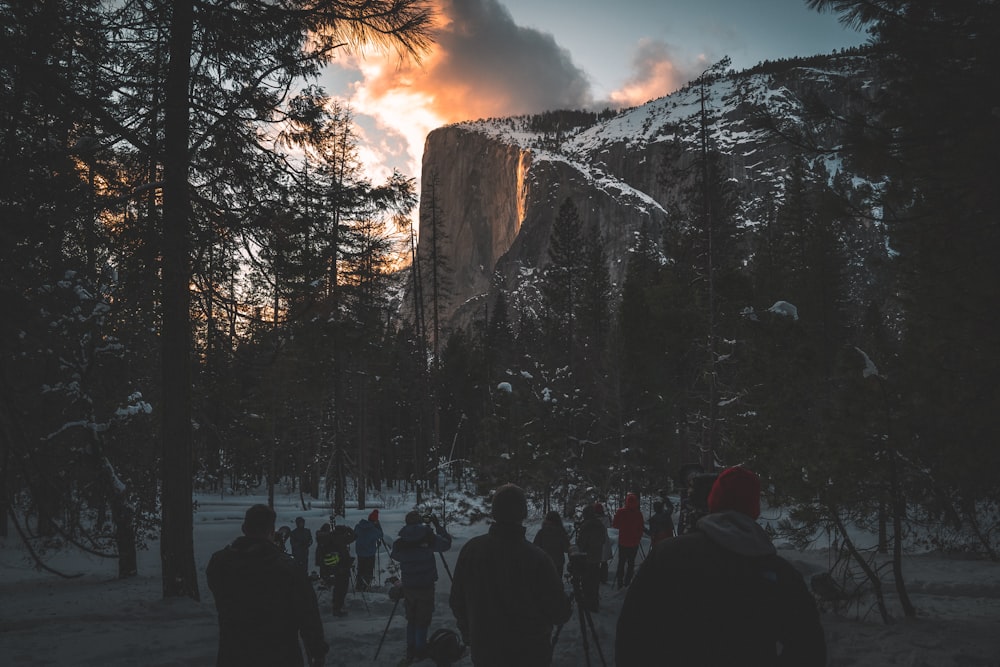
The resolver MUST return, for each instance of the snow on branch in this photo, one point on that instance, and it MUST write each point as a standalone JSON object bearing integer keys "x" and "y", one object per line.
{"x": 784, "y": 309}
{"x": 870, "y": 368}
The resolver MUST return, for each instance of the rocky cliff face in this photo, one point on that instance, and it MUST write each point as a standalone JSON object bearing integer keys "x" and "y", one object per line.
{"x": 498, "y": 184}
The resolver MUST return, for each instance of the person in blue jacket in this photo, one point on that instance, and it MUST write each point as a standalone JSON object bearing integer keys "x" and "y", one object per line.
{"x": 367, "y": 535}
{"x": 415, "y": 551}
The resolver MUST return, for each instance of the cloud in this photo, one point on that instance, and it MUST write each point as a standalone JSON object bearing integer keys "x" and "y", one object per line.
{"x": 655, "y": 74}
{"x": 482, "y": 64}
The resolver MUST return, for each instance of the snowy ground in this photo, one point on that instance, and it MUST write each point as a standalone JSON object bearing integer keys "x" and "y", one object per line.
{"x": 99, "y": 620}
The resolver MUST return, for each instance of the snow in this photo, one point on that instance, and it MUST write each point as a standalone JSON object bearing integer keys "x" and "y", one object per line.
{"x": 784, "y": 309}
{"x": 97, "y": 619}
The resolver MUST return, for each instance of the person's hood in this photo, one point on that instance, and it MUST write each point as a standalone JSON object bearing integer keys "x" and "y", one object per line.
{"x": 736, "y": 532}
{"x": 632, "y": 501}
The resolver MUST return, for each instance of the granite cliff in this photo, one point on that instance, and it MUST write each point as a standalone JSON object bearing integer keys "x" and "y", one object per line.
{"x": 498, "y": 183}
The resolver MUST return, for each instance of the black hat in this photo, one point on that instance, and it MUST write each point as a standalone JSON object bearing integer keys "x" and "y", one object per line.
{"x": 509, "y": 504}
{"x": 412, "y": 518}
{"x": 258, "y": 521}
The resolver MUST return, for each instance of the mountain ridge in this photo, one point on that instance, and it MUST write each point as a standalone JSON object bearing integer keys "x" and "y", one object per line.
{"x": 500, "y": 181}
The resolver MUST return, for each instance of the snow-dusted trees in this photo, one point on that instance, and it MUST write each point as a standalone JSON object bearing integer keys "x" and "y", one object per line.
{"x": 153, "y": 120}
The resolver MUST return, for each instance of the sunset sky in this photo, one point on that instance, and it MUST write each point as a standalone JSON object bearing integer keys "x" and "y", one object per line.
{"x": 494, "y": 58}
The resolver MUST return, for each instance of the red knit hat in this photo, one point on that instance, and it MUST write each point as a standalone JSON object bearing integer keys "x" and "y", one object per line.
{"x": 373, "y": 516}
{"x": 736, "y": 489}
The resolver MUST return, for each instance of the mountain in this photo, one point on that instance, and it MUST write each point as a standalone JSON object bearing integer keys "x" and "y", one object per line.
{"x": 498, "y": 183}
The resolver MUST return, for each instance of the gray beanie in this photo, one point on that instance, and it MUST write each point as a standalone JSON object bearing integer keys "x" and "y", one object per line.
{"x": 510, "y": 504}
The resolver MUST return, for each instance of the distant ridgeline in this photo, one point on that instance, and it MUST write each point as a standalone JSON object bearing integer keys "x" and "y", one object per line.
{"x": 498, "y": 183}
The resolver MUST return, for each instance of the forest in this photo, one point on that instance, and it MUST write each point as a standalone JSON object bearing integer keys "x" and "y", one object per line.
{"x": 204, "y": 292}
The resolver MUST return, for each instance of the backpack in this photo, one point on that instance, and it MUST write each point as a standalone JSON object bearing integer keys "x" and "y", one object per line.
{"x": 445, "y": 647}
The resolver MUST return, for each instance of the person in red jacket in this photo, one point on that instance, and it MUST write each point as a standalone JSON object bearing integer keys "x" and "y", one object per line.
{"x": 631, "y": 525}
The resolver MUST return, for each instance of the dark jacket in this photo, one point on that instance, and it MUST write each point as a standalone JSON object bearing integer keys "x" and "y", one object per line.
{"x": 553, "y": 539}
{"x": 719, "y": 596}
{"x": 301, "y": 539}
{"x": 591, "y": 536}
{"x": 414, "y": 551}
{"x": 334, "y": 541}
{"x": 265, "y": 604}
{"x": 661, "y": 526}
{"x": 506, "y": 597}
{"x": 368, "y": 534}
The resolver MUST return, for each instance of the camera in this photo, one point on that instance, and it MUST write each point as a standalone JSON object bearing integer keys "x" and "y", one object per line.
{"x": 427, "y": 518}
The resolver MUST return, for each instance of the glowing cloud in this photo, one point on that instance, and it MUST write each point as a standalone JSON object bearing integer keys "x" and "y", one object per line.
{"x": 481, "y": 65}
{"x": 655, "y": 74}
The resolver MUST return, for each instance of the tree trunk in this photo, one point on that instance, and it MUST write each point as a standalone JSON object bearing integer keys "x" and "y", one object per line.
{"x": 180, "y": 578}
{"x": 871, "y": 574}
{"x": 898, "y": 511}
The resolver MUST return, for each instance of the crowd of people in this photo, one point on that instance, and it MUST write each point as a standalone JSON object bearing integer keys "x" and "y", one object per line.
{"x": 508, "y": 596}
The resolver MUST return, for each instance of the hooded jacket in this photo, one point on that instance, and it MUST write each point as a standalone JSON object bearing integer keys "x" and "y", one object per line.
{"x": 368, "y": 533}
{"x": 507, "y": 597}
{"x": 414, "y": 551}
{"x": 629, "y": 522}
{"x": 265, "y": 604}
{"x": 719, "y": 596}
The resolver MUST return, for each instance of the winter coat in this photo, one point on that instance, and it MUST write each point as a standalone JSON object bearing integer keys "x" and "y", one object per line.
{"x": 553, "y": 539}
{"x": 300, "y": 539}
{"x": 591, "y": 536}
{"x": 661, "y": 526}
{"x": 265, "y": 604}
{"x": 336, "y": 541}
{"x": 507, "y": 597}
{"x": 368, "y": 534}
{"x": 606, "y": 551}
{"x": 629, "y": 522}
{"x": 719, "y": 596}
{"x": 414, "y": 550}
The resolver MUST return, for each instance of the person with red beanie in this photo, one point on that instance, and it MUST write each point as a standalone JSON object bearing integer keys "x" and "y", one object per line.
{"x": 720, "y": 595}
{"x": 631, "y": 525}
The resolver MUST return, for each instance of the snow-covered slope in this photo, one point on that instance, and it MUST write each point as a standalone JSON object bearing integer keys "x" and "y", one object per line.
{"x": 499, "y": 182}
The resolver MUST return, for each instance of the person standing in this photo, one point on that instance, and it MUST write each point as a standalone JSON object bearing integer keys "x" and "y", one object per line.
{"x": 506, "y": 594}
{"x": 333, "y": 555}
{"x": 720, "y": 595}
{"x": 553, "y": 539}
{"x": 631, "y": 525}
{"x": 264, "y": 601}
{"x": 695, "y": 504}
{"x": 369, "y": 534}
{"x": 661, "y": 523}
{"x": 591, "y": 536}
{"x": 414, "y": 550}
{"x": 607, "y": 552}
{"x": 301, "y": 539}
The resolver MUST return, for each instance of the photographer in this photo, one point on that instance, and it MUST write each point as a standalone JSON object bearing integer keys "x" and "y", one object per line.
{"x": 591, "y": 536}
{"x": 743, "y": 604}
{"x": 506, "y": 595}
{"x": 414, "y": 550}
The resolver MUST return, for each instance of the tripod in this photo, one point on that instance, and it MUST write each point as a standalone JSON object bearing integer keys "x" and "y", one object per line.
{"x": 576, "y": 579}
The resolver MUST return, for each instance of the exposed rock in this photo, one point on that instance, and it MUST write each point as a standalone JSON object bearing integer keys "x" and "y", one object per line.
{"x": 499, "y": 183}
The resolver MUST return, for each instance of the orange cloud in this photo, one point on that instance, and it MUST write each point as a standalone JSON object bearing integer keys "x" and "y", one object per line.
{"x": 480, "y": 65}
{"x": 655, "y": 75}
